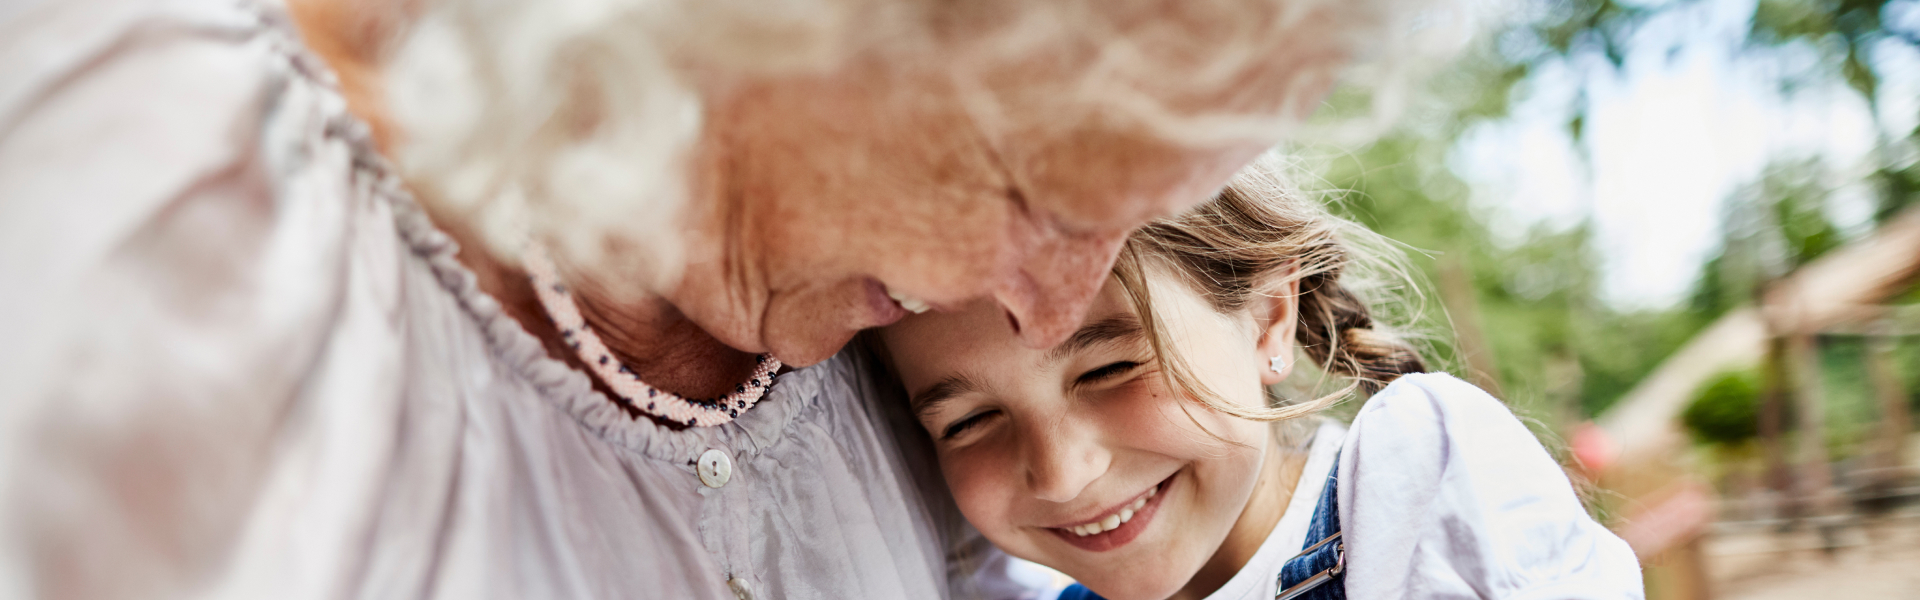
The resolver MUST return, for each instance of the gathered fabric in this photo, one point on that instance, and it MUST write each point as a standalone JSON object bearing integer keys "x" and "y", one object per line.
{"x": 243, "y": 363}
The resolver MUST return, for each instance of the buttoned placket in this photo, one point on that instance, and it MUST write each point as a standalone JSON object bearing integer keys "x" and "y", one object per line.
{"x": 724, "y": 486}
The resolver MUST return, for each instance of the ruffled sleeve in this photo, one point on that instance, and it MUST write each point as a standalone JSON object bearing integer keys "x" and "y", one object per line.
{"x": 172, "y": 217}
{"x": 1445, "y": 494}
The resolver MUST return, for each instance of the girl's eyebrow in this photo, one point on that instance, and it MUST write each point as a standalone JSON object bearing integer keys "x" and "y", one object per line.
{"x": 1106, "y": 330}
{"x": 1109, "y": 329}
{"x": 942, "y": 392}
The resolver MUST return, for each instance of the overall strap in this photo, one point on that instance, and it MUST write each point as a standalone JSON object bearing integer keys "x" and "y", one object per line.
{"x": 1320, "y": 571}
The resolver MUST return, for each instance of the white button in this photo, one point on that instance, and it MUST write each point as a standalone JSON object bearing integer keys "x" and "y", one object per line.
{"x": 740, "y": 588}
{"x": 715, "y": 468}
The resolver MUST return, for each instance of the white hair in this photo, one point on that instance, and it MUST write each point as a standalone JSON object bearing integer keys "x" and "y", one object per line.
{"x": 571, "y": 120}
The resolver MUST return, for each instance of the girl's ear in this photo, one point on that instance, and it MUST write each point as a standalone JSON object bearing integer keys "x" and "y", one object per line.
{"x": 1276, "y": 314}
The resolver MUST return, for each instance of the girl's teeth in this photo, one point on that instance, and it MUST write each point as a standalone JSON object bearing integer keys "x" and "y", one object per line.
{"x": 912, "y": 305}
{"x": 1113, "y": 521}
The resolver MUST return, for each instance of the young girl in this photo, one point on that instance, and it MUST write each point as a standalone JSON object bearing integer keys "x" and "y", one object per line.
{"x": 1143, "y": 457}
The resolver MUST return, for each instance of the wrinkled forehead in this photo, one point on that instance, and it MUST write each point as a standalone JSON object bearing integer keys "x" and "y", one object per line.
{"x": 1107, "y": 179}
{"x": 1120, "y": 112}
{"x": 1205, "y": 72}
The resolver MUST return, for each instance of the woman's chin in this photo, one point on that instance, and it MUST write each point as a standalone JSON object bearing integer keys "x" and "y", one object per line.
{"x": 808, "y": 350}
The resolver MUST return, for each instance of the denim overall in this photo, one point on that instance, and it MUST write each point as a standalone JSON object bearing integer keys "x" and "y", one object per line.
{"x": 1317, "y": 573}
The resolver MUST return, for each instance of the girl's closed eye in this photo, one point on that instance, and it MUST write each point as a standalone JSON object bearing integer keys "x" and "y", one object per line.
{"x": 967, "y": 423}
{"x": 1107, "y": 372}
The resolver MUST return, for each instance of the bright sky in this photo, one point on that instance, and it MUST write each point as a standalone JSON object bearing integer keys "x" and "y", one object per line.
{"x": 1688, "y": 121}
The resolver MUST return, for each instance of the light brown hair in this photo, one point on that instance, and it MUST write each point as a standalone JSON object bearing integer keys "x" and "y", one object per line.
{"x": 1250, "y": 239}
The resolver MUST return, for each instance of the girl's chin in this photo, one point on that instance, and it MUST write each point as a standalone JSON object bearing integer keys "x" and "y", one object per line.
{"x": 1152, "y": 574}
{"x": 1134, "y": 585}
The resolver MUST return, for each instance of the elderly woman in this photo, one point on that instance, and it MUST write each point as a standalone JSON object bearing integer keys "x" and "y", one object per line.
{"x": 491, "y": 298}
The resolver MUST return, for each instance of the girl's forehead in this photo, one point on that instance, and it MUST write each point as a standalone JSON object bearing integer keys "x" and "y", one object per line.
{"x": 979, "y": 339}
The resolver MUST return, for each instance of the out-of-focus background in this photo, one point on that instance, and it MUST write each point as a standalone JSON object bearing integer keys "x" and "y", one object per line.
{"x": 1682, "y": 238}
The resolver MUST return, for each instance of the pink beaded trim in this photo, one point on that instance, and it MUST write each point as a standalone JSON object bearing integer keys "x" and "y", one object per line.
{"x": 558, "y": 301}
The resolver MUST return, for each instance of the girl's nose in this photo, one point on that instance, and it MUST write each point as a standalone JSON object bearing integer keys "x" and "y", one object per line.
{"x": 1062, "y": 462}
{"x": 1054, "y": 281}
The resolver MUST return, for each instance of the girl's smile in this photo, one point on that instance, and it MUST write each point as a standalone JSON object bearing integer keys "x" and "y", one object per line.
{"x": 1115, "y": 526}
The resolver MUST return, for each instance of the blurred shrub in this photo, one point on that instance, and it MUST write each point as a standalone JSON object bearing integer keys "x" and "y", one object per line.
{"x": 1726, "y": 410}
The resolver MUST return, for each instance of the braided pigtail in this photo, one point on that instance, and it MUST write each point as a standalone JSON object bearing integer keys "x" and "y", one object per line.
{"x": 1254, "y": 236}
{"x": 1337, "y": 331}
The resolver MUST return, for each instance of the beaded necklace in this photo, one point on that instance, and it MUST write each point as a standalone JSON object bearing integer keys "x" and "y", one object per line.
{"x": 558, "y": 301}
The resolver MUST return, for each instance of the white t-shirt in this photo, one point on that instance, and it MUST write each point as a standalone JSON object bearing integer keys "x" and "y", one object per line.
{"x": 1257, "y": 579}
{"x": 1444, "y": 494}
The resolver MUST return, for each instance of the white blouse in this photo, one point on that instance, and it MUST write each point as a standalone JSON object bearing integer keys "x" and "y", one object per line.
{"x": 1445, "y": 494}
{"x": 240, "y": 362}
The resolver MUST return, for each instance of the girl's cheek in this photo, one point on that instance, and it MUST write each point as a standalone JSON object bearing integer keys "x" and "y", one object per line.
{"x": 1145, "y": 412}
{"x": 1158, "y": 423}
{"x": 982, "y": 485}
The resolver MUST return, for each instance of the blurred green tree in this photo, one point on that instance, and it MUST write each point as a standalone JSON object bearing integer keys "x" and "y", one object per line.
{"x": 1768, "y": 229}
{"x": 1725, "y": 411}
{"x": 1553, "y": 346}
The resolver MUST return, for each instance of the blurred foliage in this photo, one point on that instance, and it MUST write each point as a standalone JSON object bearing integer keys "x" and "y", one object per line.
{"x": 1556, "y": 346}
{"x": 1726, "y": 410}
{"x": 1855, "y": 24}
{"x": 1553, "y": 341}
{"x": 1768, "y": 229}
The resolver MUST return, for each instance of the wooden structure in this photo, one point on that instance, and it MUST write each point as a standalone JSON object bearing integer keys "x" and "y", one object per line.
{"x": 1841, "y": 292}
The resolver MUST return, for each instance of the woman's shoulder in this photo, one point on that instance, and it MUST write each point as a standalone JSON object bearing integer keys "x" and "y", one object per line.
{"x": 173, "y": 133}
{"x": 198, "y": 207}
{"x": 176, "y": 162}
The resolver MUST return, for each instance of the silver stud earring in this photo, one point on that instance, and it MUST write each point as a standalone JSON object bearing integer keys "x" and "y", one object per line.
{"x": 1278, "y": 364}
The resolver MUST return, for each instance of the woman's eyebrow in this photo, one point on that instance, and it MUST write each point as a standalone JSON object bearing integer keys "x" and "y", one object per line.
{"x": 1109, "y": 329}
{"x": 942, "y": 392}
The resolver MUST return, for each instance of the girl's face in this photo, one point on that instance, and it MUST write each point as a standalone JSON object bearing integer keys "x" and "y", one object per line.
{"x": 1078, "y": 457}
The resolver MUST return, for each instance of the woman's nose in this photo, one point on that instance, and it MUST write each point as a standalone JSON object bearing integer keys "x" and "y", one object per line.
{"x": 1055, "y": 279}
{"x": 1060, "y": 464}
